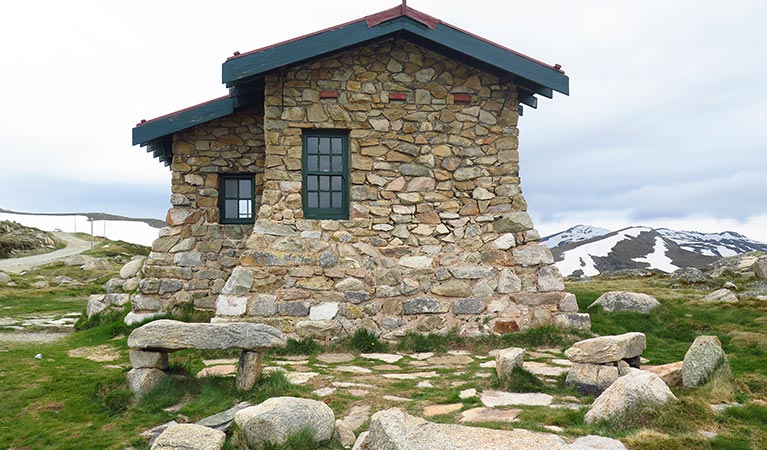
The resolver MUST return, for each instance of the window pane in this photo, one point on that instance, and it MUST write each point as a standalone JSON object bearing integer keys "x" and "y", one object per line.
{"x": 244, "y": 189}
{"x": 324, "y": 163}
{"x": 230, "y": 189}
{"x": 230, "y": 209}
{"x": 311, "y": 200}
{"x": 325, "y": 183}
{"x": 337, "y": 146}
{"x": 324, "y": 146}
{"x": 337, "y": 164}
{"x": 324, "y": 199}
{"x": 311, "y": 161}
{"x": 245, "y": 209}
{"x": 311, "y": 145}
{"x": 337, "y": 198}
{"x": 336, "y": 183}
{"x": 311, "y": 183}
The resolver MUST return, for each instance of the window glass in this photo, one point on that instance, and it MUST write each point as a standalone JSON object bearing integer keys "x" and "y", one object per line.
{"x": 230, "y": 188}
{"x": 324, "y": 163}
{"x": 312, "y": 144}
{"x": 230, "y": 211}
{"x": 324, "y": 146}
{"x": 236, "y": 198}
{"x": 324, "y": 199}
{"x": 311, "y": 183}
{"x": 337, "y": 146}
{"x": 325, "y": 187}
{"x": 244, "y": 188}
{"x": 312, "y": 200}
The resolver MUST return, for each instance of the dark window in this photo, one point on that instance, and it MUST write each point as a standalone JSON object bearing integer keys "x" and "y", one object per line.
{"x": 236, "y": 198}
{"x": 325, "y": 183}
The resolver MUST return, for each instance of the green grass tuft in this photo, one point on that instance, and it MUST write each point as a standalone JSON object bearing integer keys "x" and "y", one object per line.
{"x": 114, "y": 395}
{"x": 521, "y": 380}
{"x": 303, "y": 440}
{"x": 306, "y": 346}
{"x": 365, "y": 342}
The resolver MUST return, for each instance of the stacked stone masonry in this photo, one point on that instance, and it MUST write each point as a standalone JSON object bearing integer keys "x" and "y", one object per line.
{"x": 438, "y": 235}
{"x": 194, "y": 255}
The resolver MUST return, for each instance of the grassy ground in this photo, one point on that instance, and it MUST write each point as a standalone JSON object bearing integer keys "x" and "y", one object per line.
{"x": 65, "y": 402}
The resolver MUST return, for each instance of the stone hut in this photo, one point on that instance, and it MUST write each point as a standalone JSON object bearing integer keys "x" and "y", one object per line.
{"x": 366, "y": 175}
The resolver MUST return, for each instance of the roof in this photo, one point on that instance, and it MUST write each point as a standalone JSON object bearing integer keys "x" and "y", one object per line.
{"x": 242, "y": 70}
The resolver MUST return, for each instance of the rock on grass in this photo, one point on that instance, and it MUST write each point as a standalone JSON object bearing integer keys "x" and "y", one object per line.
{"x": 704, "y": 358}
{"x": 627, "y": 394}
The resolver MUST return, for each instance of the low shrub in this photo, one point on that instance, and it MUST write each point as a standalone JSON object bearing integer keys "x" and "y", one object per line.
{"x": 521, "y": 380}
{"x": 365, "y": 342}
{"x": 114, "y": 395}
{"x": 307, "y": 346}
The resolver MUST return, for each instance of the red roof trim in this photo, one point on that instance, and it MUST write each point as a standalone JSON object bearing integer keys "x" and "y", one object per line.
{"x": 258, "y": 50}
{"x": 144, "y": 122}
{"x": 392, "y": 13}
{"x": 556, "y": 67}
{"x": 399, "y": 11}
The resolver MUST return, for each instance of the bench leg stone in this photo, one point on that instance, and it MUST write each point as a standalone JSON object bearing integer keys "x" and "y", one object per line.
{"x": 142, "y": 381}
{"x": 140, "y": 359}
{"x": 248, "y": 369}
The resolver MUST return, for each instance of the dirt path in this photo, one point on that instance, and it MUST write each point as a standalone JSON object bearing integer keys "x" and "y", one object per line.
{"x": 74, "y": 246}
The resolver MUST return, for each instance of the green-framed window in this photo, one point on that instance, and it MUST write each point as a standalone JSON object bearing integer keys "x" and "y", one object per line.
{"x": 325, "y": 174}
{"x": 236, "y": 198}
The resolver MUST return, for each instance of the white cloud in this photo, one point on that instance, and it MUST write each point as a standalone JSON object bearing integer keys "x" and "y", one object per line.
{"x": 665, "y": 117}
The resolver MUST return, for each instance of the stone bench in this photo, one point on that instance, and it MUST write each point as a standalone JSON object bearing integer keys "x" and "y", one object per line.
{"x": 150, "y": 344}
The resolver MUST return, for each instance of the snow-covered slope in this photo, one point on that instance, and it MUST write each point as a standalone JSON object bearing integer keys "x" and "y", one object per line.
{"x": 135, "y": 231}
{"x": 645, "y": 248}
{"x": 727, "y": 243}
{"x": 582, "y": 259}
{"x": 575, "y": 234}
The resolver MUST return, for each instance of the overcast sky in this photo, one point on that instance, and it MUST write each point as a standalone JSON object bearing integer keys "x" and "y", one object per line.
{"x": 664, "y": 125}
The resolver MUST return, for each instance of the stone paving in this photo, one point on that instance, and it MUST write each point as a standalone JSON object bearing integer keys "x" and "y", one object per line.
{"x": 455, "y": 386}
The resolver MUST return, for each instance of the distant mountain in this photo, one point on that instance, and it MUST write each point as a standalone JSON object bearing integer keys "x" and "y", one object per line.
{"x": 119, "y": 228}
{"x": 644, "y": 248}
{"x": 727, "y": 243}
{"x": 575, "y": 234}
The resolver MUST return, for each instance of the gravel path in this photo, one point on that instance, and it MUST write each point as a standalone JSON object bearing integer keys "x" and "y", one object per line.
{"x": 74, "y": 247}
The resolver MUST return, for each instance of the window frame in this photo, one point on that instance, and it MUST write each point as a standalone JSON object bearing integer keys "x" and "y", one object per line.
{"x": 222, "y": 179}
{"x": 326, "y": 213}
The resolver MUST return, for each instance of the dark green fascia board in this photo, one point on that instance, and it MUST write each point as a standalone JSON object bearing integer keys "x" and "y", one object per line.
{"x": 257, "y": 64}
{"x": 528, "y": 99}
{"x": 155, "y": 129}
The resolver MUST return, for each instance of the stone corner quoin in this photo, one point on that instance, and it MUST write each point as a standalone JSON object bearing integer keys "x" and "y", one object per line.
{"x": 438, "y": 236}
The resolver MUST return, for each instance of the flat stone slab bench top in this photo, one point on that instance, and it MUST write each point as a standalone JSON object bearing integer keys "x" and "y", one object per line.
{"x": 171, "y": 335}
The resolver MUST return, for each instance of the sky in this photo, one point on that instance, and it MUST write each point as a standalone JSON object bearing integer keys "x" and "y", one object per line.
{"x": 663, "y": 127}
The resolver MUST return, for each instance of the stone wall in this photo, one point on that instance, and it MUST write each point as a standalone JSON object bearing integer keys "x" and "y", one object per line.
{"x": 194, "y": 255}
{"x": 438, "y": 236}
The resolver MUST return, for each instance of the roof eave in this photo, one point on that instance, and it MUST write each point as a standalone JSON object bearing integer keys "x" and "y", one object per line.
{"x": 148, "y": 131}
{"x": 255, "y": 64}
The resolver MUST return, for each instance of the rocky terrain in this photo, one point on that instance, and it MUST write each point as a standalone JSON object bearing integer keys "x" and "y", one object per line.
{"x": 18, "y": 240}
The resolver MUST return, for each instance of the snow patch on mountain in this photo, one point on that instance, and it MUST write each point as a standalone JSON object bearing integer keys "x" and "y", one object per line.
{"x": 581, "y": 258}
{"x": 575, "y": 234}
{"x": 658, "y": 259}
{"x": 727, "y": 243}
